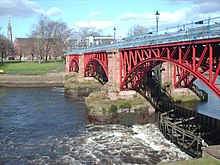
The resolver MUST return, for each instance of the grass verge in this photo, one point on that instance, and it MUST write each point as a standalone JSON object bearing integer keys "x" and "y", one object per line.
{"x": 208, "y": 160}
{"x": 32, "y": 67}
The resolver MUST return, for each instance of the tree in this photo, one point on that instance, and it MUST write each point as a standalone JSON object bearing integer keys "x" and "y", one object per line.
{"x": 137, "y": 30}
{"x": 51, "y": 37}
{"x": 6, "y": 47}
{"x": 84, "y": 32}
{"x": 60, "y": 35}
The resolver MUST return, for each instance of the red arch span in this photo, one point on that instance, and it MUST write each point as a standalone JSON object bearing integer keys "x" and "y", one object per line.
{"x": 74, "y": 66}
{"x": 90, "y": 62}
{"x": 200, "y": 76}
{"x": 193, "y": 59}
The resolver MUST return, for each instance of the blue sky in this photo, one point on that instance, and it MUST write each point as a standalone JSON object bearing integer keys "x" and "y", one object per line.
{"x": 104, "y": 14}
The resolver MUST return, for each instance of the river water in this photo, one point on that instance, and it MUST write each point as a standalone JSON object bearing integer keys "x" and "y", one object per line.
{"x": 211, "y": 107}
{"x": 41, "y": 126}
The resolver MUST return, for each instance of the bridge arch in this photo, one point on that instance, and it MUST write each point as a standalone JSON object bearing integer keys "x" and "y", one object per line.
{"x": 73, "y": 63}
{"x": 191, "y": 61}
{"x": 96, "y": 65}
{"x": 74, "y": 66}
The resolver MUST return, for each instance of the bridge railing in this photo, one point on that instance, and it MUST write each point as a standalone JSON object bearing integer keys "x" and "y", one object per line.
{"x": 208, "y": 28}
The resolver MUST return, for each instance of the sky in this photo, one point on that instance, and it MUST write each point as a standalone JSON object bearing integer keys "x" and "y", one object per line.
{"x": 104, "y": 14}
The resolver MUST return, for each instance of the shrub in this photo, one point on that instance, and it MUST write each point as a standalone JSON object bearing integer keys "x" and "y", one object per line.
{"x": 113, "y": 109}
{"x": 125, "y": 104}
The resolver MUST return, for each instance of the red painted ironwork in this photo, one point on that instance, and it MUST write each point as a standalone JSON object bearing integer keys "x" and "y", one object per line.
{"x": 74, "y": 63}
{"x": 91, "y": 60}
{"x": 199, "y": 59}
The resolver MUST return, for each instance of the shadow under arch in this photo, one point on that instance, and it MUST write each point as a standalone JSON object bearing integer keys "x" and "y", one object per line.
{"x": 94, "y": 68}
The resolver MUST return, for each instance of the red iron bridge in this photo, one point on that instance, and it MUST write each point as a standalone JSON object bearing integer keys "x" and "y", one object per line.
{"x": 184, "y": 53}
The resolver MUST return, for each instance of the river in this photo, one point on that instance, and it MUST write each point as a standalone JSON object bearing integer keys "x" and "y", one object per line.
{"x": 211, "y": 107}
{"x": 41, "y": 126}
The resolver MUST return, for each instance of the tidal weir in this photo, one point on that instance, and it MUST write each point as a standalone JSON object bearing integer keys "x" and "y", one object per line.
{"x": 188, "y": 129}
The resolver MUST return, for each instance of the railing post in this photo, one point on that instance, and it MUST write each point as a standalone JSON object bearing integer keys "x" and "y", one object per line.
{"x": 178, "y": 30}
{"x": 209, "y": 29}
{"x": 148, "y": 38}
{"x": 192, "y": 30}
{"x": 167, "y": 34}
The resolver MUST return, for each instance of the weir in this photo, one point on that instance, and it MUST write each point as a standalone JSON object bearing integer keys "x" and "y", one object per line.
{"x": 188, "y": 129}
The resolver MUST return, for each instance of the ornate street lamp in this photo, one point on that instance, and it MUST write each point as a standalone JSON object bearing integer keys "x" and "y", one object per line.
{"x": 114, "y": 33}
{"x": 157, "y": 14}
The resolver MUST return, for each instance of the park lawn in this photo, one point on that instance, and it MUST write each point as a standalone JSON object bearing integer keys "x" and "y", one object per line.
{"x": 32, "y": 67}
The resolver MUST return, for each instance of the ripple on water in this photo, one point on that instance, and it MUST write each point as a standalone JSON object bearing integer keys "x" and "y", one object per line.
{"x": 50, "y": 129}
{"x": 116, "y": 144}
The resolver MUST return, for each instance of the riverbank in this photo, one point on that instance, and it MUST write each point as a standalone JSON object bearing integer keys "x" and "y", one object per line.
{"x": 38, "y": 80}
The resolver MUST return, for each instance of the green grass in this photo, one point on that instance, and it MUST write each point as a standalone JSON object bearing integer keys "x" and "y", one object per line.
{"x": 32, "y": 67}
{"x": 208, "y": 160}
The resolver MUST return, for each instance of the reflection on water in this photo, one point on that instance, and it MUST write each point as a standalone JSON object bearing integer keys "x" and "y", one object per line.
{"x": 41, "y": 126}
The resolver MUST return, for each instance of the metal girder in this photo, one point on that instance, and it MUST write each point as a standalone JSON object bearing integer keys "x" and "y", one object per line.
{"x": 192, "y": 60}
{"x": 92, "y": 59}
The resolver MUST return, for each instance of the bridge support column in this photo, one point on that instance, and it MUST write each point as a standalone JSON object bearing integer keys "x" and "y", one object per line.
{"x": 167, "y": 83}
{"x": 114, "y": 69}
{"x": 167, "y": 74}
{"x": 67, "y": 63}
{"x": 81, "y": 66}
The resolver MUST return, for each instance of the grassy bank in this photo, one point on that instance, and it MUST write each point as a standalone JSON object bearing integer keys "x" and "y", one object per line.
{"x": 32, "y": 67}
{"x": 208, "y": 160}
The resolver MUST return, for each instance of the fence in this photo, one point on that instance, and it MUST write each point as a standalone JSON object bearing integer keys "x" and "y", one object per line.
{"x": 208, "y": 28}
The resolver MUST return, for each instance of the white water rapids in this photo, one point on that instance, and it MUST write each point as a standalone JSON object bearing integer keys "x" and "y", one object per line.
{"x": 115, "y": 144}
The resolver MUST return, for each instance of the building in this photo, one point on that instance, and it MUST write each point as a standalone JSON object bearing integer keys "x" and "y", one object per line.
{"x": 96, "y": 41}
{"x": 89, "y": 42}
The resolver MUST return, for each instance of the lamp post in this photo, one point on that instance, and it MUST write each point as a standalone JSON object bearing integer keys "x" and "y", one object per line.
{"x": 114, "y": 33}
{"x": 157, "y": 68}
{"x": 157, "y": 14}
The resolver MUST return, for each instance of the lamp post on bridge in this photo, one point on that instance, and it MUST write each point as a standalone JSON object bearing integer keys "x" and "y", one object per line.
{"x": 157, "y": 69}
{"x": 157, "y": 14}
{"x": 114, "y": 33}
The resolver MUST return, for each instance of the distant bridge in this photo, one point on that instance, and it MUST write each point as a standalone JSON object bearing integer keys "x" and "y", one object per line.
{"x": 193, "y": 50}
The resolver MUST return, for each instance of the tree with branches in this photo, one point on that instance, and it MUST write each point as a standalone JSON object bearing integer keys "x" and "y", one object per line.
{"x": 137, "y": 30}
{"x": 6, "y": 47}
{"x": 50, "y": 37}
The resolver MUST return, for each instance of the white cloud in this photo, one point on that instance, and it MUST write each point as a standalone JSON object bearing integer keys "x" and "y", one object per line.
{"x": 201, "y": 6}
{"x": 94, "y": 24}
{"x": 198, "y": 10}
{"x": 133, "y": 16}
{"x": 95, "y": 14}
{"x": 55, "y": 11}
{"x": 24, "y": 8}
{"x": 18, "y": 8}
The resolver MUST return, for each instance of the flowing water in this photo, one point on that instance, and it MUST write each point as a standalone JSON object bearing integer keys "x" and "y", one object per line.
{"x": 41, "y": 126}
{"x": 211, "y": 107}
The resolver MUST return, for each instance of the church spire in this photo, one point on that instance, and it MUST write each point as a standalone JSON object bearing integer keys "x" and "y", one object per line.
{"x": 9, "y": 31}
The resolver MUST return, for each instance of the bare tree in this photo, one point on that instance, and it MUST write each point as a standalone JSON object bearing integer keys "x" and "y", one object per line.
{"x": 137, "y": 30}
{"x": 61, "y": 33}
{"x": 51, "y": 37}
{"x": 31, "y": 47}
{"x": 86, "y": 32}
{"x": 41, "y": 31}
{"x": 82, "y": 33}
